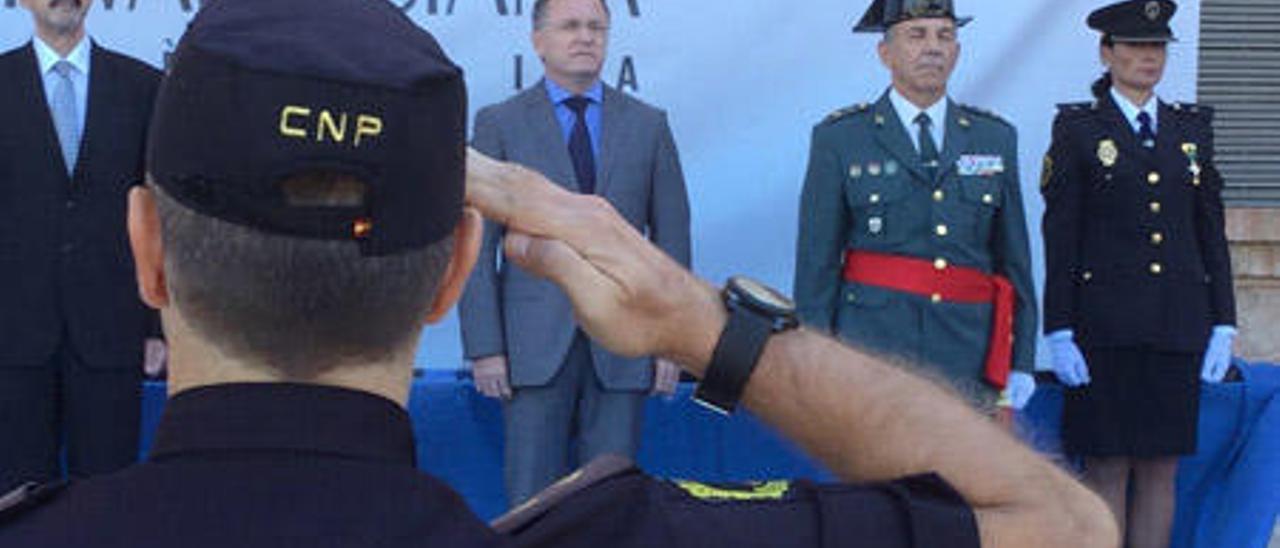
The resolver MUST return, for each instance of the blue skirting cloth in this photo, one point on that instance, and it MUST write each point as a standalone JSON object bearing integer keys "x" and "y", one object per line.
{"x": 1228, "y": 493}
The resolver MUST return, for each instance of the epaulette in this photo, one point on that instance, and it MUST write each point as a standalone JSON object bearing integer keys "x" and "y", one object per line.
{"x": 595, "y": 472}
{"x": 28, "y": 496}
{"x": 1070, "y": 108}
{"x": 846, "y": 111}
{"x": 1192, "y": 110}
{"x": 984, "y": 113}
{"x": 1070, "y": 112}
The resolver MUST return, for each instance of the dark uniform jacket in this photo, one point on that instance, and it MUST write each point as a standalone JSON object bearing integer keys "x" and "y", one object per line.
{"x": 1134, "y": 240}
{"x": 279, "y": 465}
{"x": 867, "y": 190}
{"x": 64, "y": 254}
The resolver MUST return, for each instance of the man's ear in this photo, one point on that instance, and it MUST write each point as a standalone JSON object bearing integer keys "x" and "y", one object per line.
{"x": 148, "y": 249}
{"x": 467, "y": 237}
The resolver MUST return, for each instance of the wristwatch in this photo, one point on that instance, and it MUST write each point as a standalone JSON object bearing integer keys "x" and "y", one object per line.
{"x": 756, "y": 312}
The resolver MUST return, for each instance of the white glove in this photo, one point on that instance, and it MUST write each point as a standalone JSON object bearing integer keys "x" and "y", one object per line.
{"x": 1068, "y": 361}
{"x": 490, "y": 375}
{"x": 1217, "y": 357}
{"x": 666, "y": 375}
{"x": 1019, "y": 390}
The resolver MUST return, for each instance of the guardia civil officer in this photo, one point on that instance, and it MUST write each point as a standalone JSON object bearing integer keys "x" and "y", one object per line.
{"x": 305, "y": 217}
{"x": 1138, "y": 299}
{"x": 912, "y": 238}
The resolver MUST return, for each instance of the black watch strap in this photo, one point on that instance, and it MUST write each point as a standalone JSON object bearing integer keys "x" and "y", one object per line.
{"x": 733, "y": 360}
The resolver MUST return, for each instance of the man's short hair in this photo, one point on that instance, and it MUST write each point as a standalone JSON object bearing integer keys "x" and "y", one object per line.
{"x": 540, "y": 12}
{"x": 296, "y": 306}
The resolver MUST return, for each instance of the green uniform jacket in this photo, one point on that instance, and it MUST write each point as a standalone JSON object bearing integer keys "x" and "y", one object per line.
{"x": 866, "y": 189}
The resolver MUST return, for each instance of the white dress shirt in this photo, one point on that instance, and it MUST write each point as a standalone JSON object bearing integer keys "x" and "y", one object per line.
{"x": 79, "y": 58}
{"x": 907, "y": 112}
{"x": 1131, "y": 110}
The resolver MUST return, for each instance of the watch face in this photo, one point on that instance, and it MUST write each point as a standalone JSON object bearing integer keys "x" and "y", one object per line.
{"x": 763, "y": 295}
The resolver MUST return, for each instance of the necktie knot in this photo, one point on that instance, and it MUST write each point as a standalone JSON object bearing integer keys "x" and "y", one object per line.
{"x": 1144, "y": 118}
{"x": 63, "y": 68}
{"x": 924, "y": 121}
{"x": 578, "y": 104}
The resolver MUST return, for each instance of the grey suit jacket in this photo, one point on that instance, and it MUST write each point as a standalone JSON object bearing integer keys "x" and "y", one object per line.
{"x": 507, "y": 311}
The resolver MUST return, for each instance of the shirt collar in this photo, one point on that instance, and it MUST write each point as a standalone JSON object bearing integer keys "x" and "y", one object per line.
{"x": 1131, "y": 110}
{"x": 47, "y": 57}
{"x": 283, "y": 417}
{"x": 907, "y": 111}
{"x": 558, "y": 94}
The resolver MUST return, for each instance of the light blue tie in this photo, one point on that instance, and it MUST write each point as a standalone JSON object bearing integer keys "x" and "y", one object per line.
{"x": 65, "y": 118}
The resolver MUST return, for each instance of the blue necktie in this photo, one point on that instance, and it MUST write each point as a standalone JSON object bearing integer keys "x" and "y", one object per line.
{"x": 65, "y": 118}
{"x": 584, "y": 160}
{"x": 1146, "y": 135}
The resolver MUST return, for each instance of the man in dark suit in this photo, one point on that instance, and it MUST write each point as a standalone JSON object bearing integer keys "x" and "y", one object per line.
{"x": 592, "y": 139}
{"x": 72, "y": 329}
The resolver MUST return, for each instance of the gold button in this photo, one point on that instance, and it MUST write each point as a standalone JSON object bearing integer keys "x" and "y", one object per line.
{"x": 936, "y": 298}
{"x": 875, "y": 198}
{"x": 940, "y": 264}
{"x": 1155, "y": 207}
{"x": 988, "y": 199}
{"x": 1157, "y": 268}
{"x": 938, "y": 196}
{"x": 1153, "y": 178}
{"x": 942, "y": 231}
{"x": 1157, "y": 238}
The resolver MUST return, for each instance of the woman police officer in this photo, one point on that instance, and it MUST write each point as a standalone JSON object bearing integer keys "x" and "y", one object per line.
{"x": 1139, "y": 303}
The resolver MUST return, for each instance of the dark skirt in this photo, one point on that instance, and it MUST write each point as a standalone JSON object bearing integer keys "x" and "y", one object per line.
{"x": 1140, "y": 404}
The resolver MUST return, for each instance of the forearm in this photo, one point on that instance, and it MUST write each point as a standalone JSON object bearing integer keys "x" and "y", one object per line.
{"x": 868, "y": 420}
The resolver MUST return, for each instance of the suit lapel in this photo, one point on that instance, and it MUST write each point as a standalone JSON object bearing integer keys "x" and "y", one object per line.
{"x": 541, "y": 122}
{"x": 33, "y": 88}
{"x": 893, "y": 138}
{"x": 956, "y": 141}
{"x": 100, "y": 79}
{"x": 612, "y": 125}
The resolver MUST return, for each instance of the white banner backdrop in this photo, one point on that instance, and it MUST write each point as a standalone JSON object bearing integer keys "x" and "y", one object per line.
{"x": 743, "y": 82}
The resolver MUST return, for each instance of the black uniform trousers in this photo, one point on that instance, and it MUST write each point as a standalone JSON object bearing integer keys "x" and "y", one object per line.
{"x": 92, "y": 413}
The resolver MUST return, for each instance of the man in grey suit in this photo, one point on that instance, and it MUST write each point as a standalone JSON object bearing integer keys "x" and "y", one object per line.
{"x": 517, "y": 329}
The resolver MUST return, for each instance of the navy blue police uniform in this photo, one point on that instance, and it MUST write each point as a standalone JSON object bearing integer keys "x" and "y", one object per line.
{"x": 1137, "y": 259}
{"x": 264, "y": 88}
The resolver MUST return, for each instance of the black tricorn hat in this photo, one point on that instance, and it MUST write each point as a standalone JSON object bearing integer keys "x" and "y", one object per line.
{"x": 1135, "y": 21}
{"x": 886, "y": 13}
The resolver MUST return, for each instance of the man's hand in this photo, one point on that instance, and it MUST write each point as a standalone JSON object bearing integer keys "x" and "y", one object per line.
{"x": 1020, "y": 389}
{"x": 627, "y": 295}
{"x": 155, "y": 357}
{"x": 666, "y": 376}
{"x": 491, "y": 377}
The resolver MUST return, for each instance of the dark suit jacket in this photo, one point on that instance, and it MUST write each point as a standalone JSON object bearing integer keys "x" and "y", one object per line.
{"x": 65, "y": 262}
{"x": 510, "y": 312}
{"x": 1134, "y": 239}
